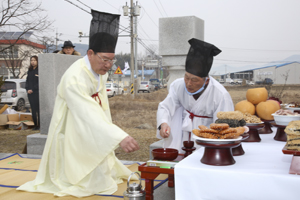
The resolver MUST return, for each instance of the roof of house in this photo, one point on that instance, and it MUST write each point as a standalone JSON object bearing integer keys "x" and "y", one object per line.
{"x": 17, "y": 38}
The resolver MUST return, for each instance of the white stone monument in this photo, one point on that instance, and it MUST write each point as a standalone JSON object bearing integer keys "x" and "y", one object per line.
{"x": 174, "y": 33}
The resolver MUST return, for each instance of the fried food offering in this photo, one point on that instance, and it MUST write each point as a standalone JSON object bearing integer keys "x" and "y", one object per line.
{"x": 251, "y": 118}
{"x": 218, "y": 131}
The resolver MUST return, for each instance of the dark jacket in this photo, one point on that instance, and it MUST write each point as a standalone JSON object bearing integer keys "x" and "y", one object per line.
{"x": 32, "y": 81}
{"x": 76, "y": 53}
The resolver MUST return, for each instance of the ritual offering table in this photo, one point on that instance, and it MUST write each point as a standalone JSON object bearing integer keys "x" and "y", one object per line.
{"x": 295, "y": 164}
{"x": 280, "y": 134}
{"x": 253, "y": 132}
{"x": 151, "y": 169}
{"x": 267, "y": 128}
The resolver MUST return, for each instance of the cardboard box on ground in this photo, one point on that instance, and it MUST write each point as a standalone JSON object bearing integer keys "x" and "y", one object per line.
{"x": 18, "y": 121}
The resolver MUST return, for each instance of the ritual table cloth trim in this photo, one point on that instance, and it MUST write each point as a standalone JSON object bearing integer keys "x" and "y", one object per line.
{"x": 261, "y": 173}
{"x": 16, "y": 170}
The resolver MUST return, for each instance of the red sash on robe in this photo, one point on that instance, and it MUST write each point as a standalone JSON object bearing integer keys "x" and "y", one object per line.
{"x": 192, "y": 115}
{"x": 95, "y": 97}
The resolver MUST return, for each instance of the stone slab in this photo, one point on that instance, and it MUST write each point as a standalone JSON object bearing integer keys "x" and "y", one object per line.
{"x": 36, "y": 143}
{"x": 52, "y": 67}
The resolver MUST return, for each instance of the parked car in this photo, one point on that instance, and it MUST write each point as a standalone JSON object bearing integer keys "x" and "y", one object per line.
{"x": 250, "y": 83}
{"x": 267, "y": 81}
{"x": 146, "y": 86}
{"x": 113, "y": 89}
{"x": 13, "y": 93}
{"x": 156, "y": 83}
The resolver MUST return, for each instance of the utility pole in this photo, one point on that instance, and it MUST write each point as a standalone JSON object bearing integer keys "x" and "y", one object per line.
{"x": 131, "y": 47}
{"x": 56, "y": 38}
{"x": 134, "y": 12}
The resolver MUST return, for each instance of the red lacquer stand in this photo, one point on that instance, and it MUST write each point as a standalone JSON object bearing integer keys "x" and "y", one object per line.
{"x": 280, "y": 134}
{"x": 149, "y": 173}
{"x": 295, "y": 164}
{"x": 218, "y": 154}
{"x": 253, "y": 133}
{"x": 188, "y": 147}
{"x": 267, "y": 128}
{"x": 238, "y": 151}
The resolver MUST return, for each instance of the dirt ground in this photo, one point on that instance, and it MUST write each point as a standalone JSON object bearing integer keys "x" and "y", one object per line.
{"x": 137, "y": 117}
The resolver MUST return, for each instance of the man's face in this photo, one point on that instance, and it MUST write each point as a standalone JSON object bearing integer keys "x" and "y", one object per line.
{"x": 98, "y": 65}
{"x": 68, "y": 50}
{"x": 192, "y": 82}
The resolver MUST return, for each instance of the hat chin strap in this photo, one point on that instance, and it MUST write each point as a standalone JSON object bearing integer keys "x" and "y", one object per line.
{"x": 200, "y": 90}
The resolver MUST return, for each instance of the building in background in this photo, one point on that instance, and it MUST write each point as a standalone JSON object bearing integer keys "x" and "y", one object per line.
{"x": 16, "y": 48}
{"x": 287, "y": 73}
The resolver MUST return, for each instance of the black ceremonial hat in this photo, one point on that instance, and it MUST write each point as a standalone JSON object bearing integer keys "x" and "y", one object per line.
{"x": 104, "y": 31}
{"x": 200, "y": 57}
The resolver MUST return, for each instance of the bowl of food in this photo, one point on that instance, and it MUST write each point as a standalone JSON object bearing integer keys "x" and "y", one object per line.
{"x": 165, "y": 154}
{"x": 283, "y": 117}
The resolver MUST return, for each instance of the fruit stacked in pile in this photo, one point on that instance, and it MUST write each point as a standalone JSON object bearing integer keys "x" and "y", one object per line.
{"x": 258, "y": 103}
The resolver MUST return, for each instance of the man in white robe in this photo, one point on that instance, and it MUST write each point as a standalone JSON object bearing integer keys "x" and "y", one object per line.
{"x": 79, "y": 158}
{"x": 193, "y": 100}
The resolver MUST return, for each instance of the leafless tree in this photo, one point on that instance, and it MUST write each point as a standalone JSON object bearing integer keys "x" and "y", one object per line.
{"x": 24, "y": 16}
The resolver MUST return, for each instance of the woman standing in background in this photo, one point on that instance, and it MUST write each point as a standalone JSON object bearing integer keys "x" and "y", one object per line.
{"x": 32, "y": 87}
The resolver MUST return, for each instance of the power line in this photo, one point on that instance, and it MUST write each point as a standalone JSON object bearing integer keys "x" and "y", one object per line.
{"x": 158, "y": 8}
{"x": 77, "y": 6}
{"x": 150, "y": 17}
{"x": 110, "y": 4}
{"x": 163, "y": 8}
{"x": 84, "y": 4}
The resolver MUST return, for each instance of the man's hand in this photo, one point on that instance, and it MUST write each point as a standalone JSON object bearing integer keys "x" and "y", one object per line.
{"x": 29, "y": 91}
{"x": 164, "y": 130}
{"x": 129, "y": 144}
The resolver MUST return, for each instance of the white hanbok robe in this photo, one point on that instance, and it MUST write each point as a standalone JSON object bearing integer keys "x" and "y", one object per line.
{"x": 173, "y": 110}
{"x": 78, "y": 157}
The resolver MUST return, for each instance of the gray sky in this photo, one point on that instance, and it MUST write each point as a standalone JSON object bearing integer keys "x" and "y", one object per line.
{"x": 248, "y": 32}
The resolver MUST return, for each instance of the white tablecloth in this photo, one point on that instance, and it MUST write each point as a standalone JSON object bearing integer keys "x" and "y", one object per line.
{"x": 261, "y": 173}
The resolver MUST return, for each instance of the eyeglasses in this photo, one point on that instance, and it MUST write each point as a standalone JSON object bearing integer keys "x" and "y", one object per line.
{"x": 108, "y": 60}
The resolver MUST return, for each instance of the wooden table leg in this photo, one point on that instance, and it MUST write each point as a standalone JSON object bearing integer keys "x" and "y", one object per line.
{"x": 171, "y": 180}
{"x": 149, "y": 189}
{"x": 295, "y": 165}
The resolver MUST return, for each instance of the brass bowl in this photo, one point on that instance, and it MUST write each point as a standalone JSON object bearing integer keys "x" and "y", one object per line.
{"x": 167, "y": 154}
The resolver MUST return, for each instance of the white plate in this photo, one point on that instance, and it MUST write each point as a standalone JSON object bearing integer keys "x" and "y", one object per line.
{"x": 253, "y": 124}
{"x": 217, "y": 140}
{"x": 291, "y": 108}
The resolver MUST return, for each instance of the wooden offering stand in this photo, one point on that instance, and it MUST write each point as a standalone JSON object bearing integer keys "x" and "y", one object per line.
{"x": 295, "y": 164}
{"x": 267, "y": 129}
{"x": 149, "y": 173}
{"x": 280, "y": 134}
{"x": 218, "y": 154}
{"x": 188, "y": 147}
{"x": 238, "y": 151}
{"x": 253, "y": 133}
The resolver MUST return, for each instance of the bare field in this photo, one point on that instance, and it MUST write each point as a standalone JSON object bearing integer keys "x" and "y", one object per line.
{"x": 134, "y": 114}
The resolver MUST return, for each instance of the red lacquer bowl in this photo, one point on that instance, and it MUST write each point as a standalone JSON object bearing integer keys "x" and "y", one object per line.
{"x": 165, "y": 154}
